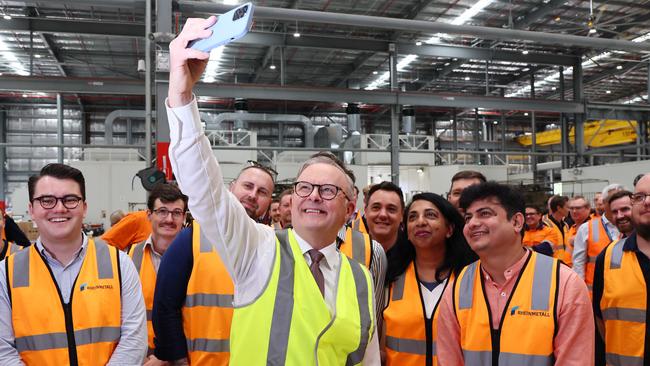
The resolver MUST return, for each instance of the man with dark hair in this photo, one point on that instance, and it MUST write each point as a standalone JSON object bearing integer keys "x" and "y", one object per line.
{"x": 7, "y": 247}
{"x": 192, "y": 309}
{"x": 558, "y": 211}
{"x": 620, "y": 203}
{"x": 513, "y": 306}
{"x": 384, "y": 213}
{"x": 621, "y": 286}
{"x": 305, "y": 302}
{"x": 537, "y": 232}
{"x": 166, "y": 209}
{"x": 274, "y": 213}
{"x": 460, "y": 181}
{"x": 285, "y": 208}
{"x": 68, "y": 299}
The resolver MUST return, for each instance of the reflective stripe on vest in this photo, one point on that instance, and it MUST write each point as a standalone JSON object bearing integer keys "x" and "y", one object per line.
{"x": 528, "y": 324}
{"x": 357, "y": 246}
{"x": 207, "y": 310}
{"x": 141, "y": 256}
{"x": 404, "y": 345}
{"x": 623, "y": 306}
{"x": 291, "y": 293}
{"x": 596, "y": 242}
{"x": 93, "y": 321}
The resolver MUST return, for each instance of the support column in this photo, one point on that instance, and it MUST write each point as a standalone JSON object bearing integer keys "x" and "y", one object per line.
{"x": 163, "y": 25}
{"x": 3, "y": 153}
{"x": 564, "y": 126}
{"x": 394, "y": 117}
{"x": 503, "y": 127}
{"x": 59, "y": 127}
{"x": 477, "y": 139}
{"x": 579, "y": 119}
{"x": 533, "y": 147}
{"x": 454, "y": 131}
{"x": 147, "y": 84}
{"x": 282, "y": 67}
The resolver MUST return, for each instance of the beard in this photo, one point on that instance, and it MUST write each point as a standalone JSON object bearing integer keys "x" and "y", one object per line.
{"x": 643, "y": 231}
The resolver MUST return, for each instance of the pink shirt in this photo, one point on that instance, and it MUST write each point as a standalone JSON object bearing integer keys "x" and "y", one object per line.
{"x": 574, "y": 342}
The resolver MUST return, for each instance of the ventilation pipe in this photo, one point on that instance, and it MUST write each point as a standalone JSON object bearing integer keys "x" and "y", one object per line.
{"x": 120, "y": 113}
{"x": 264, "y": 117}
{"x": 408, "y": 119}
{"x": 241, "y": 107}
{"x": 354, "y": 117}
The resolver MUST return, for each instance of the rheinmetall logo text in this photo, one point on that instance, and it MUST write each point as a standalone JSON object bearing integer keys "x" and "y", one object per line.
{"x": 84, "y": 286}
{"x": 515, "y": 310}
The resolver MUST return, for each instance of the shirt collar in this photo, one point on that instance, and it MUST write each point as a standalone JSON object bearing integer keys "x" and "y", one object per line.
{"x": 630, "y": 244}
{"x": 46, "y": 254}
{"x": 149, "y": 243}
{"x": 513, "y": 270}
{"x": 330, "y": 252}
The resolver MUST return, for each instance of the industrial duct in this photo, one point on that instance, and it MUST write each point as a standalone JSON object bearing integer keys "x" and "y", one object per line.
{"x": 408, "y": 119}
{"x": 120, "y": 113}
{"x": 354, "y": 117}
{"x": 264, "y": 117}
{"x": 241, "y": 106}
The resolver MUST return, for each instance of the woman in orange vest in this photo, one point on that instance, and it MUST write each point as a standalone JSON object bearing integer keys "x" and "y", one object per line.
{"x": 436, "y": 251}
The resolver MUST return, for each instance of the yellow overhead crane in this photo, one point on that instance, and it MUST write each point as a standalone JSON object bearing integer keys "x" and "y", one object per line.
{"x": 606, "y": 132}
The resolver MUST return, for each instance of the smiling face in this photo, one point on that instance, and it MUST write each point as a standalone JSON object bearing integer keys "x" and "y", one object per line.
{"x": 533, "y": 217}
{"x": 314, "y": 217}
{"x": 641, "y": 210}
{"x": 622, "y": 213}
{"x": 384, "y": 215}
{"x": 274, "y": 211}
{"x": 426, "y": 226}
{"x": 579, "y": 208}
{"x": 488, "y": 229}
{"x": 253, "y": 188}
{"x": 58, "y": 225}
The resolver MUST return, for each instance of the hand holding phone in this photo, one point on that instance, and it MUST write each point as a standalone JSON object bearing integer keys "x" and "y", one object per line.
{"x": 229, "y": 27}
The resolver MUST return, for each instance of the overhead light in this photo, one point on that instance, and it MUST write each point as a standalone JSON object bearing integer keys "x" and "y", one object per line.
{"x": 454, "y": 59}
{"x": 7, "y": 17}
{"x": 296, "y": 35}
{"x": 375, "y": 72}
{"x": 525, "y": 69}
{"x": 608, "y": 91}
{"x": 420, "y": 170}
{"x": 526, "y": 114}
{"x": 553, "y": 88}
{"x": 496, "y": 122}
{"x": 466, "y": 78}
{"x": 272, "y": 67}
{"x": 418, "y": 43}
{"x": 24, "y": 95}
{"x": 381, "y": 79}
{"x": 37, "y": 56}
{"x": 446, "y": 63}
{"x": 557, "y": 19}
{"x": 619, "y": 67}
{"x": 592, "y": 31}
{"x": 212, "y": 69}
{"x": 525, "y": 52}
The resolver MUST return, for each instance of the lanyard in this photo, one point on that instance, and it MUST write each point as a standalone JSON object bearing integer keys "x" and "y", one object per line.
{"x": 602, "y": 219}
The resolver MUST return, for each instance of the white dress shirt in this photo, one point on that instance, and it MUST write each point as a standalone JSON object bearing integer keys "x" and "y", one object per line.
{"x": 247, "y": 248}
{"x": 579, "y": 257}
{"x": 132, "y": 346}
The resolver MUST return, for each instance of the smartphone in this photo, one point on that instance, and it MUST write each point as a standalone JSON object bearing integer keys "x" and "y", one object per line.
{"x": 229, "y": 27}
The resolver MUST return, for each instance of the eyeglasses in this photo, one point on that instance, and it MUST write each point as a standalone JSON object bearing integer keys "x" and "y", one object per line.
{"x": 326, "y": 191}
{"x": 271, "y": 171}
{"x": 164, "y": 212}
{"x": 70, "y": 201}
{"x": 639, "y": 197}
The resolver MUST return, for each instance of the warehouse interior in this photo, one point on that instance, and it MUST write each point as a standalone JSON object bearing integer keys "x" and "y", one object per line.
{"x": 549, "y": 95}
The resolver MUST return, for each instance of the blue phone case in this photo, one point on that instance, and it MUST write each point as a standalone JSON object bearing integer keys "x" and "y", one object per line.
{"x": 229, "y": 27}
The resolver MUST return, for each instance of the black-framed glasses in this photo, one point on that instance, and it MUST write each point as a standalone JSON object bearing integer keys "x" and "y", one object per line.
{"x": 48, "y": 202}
{"x": 163, "y": 212}
{"x": 273, "y": 172}
{"x": 325, "y": 191}
{"x": 639, "y": 197}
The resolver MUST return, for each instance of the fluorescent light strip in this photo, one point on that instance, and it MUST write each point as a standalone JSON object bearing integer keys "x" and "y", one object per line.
{"x": 12, "y": 60}
{"x": 465, "y": 16}
{"x": 587, "y": 63}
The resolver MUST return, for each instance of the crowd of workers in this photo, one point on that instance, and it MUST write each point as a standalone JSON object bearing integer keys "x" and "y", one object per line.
{"x": 478, "y": 277}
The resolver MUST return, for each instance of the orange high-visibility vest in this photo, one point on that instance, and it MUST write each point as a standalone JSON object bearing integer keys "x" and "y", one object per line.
{"x": 623, "y": 306}
{"x": 597, "y": 239}
{"x": 83, "y": 332}
{"x": 359, "y": 224}
{"x": 11, "y": 248}
{"x": 410, "y": 335}
{"x": 527, "y": 329}
{"x": 358, "y": 246}
{"x": 141, "y": 256}
{"x": 208, "y": 309}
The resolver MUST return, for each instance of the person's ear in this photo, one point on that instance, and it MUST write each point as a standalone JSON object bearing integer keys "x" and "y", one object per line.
{"x": 518, "y": 220}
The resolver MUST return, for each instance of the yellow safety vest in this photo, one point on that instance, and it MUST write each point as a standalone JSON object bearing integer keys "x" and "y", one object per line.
{"x": 49, "y": 332}
{"x": 525, "y": 335}
{"x": 358, "y": 246}
{"x": 623, "y": 307}
{"x": 207, "y": 313}
{"x": 358, "y": 224}
{"x": 290, "y": 324}
{"x": 141, "y": 256}
{"x": 597, "y": 240}
{"x": 410, "y": 335}
{"x": 11, "y": 248}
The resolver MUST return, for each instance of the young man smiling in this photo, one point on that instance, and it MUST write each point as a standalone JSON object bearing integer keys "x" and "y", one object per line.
{"x": 513, "y": 306}
{"x": 68, "y": 299}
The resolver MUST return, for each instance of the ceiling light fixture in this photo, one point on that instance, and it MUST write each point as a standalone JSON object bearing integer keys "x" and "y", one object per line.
{"x": 375, "y": 72}
{"x": 525, "y": 52}
{"x": 418, "y": 43}
{"x": 7, "y": 17}
{"x": 297, "y": 33}
{"x": 211, "y": 70}
{"x": 619, "y": 67}
{"x": 526, "y": 114}
{"x": 466, "y": 78}
{"x": 608, "y": 92}
{"x": 37, "y": 56}
{"x": 592, "y": 31}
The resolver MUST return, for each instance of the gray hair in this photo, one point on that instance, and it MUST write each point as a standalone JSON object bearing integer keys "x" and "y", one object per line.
{"x": 328, "y": 158}
{"x": 609, "y": 189}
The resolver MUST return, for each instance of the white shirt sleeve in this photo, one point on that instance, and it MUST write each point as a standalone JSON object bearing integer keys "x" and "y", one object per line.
{"x": 246, "y": 248}
{"x": 580, "y": 250}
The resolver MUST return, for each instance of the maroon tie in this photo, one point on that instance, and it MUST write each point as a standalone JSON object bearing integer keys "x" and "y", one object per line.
{"x": 316, "y": 257}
